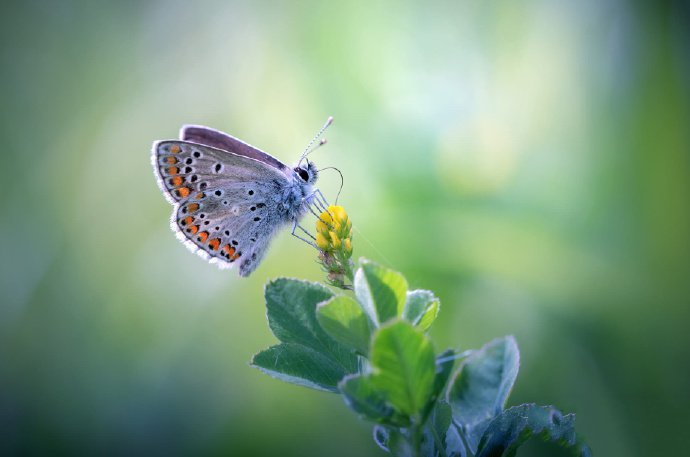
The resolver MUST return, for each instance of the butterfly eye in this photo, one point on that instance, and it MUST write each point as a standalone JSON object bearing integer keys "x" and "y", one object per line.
{"x": 302, "y": 174}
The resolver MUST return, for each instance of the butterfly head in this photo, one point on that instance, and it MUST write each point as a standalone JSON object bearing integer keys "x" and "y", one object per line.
{"x": 308, "y": 173}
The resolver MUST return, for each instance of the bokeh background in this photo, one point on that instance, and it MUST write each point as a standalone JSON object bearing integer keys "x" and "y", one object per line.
{"x": 528, "y": 161}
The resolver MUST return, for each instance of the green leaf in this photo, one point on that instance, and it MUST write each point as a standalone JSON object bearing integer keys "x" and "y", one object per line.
{"x": 507, "y": 432}
{"x": 441, "y": 435}
{"x": 398, "y": 442}
{"x": 291, "y": 311}
{"x": 439, "y": 425}
{"x": 381, "y": 437}
{"x": 308, "y": 356}
{"x": 298, "y": 364}
{"x": 404, "y": 442}
{"x": 343, "y": 319}
{"x": 421, "y": 308}
{"x": 444, "y": 368}
{"x": 402, "y": 359}
{"x": 481, "y": 386}
{"x": 363, "y": 397}
{"x": 382, "y": 292}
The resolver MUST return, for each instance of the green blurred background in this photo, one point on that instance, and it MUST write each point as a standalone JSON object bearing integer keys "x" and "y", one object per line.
{"x": 528, "y": 161}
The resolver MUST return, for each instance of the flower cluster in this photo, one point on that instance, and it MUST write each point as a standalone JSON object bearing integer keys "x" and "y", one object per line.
{"x": 334, "y": 240}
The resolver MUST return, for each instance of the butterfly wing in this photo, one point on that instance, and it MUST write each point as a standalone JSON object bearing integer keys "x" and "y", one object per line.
{"x": 225, "y": 203}
{"x": 220, "y": 140}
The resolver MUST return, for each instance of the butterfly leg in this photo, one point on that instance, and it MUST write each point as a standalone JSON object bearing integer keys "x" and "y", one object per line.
{"x": 318, "y": 216}
{"x": 295, "y": 225}
{"x": 311, "y": 201}
{"x": 306, "y": 232}
{"x": 323, "y": 201}
{"x": 317, "y": 199}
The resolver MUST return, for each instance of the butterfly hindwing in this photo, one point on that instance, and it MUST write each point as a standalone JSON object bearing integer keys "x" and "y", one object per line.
{"x": 224, "y": 203}
{"x": 227, "y": 223}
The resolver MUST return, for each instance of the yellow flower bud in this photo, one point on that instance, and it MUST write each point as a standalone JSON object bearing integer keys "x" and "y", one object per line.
{"x": 321, "y": 226}
{"x": 338, "y": 212}
{"x": 335, "y": 241}
{"x": 322, "y": 242}
{"x": 347, "y": 244}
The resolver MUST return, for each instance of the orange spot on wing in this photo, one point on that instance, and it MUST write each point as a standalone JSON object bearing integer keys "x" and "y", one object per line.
{"x": 203, "y": 236}
{"x": 192, "y": 207}
{"x": 187, "y": 220}
{"x": 229, "y": 250}
{"x": 235, "y": 256}
{"x": 176, "y": 181}
{"x": 173, "y": 170}
{"x": 193, "y": 229}
{"x": 200, "y": 195}
{"x": 171, "y": 160}
{"x": 183, "y": 192}
{"x": 214, "y": 243}
{"x": 175, "y": 149}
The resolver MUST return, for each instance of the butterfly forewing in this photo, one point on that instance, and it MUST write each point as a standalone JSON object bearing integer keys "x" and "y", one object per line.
{"x": 222, "y": 201}
{"x": 223, "y": 141}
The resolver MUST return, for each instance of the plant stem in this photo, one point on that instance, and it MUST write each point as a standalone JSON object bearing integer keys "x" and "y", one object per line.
{"x": 464, "y": 439}
{"x": 415, "y": 440}
{"x": 349, "y": 273}
{"x": 437, "y": 440}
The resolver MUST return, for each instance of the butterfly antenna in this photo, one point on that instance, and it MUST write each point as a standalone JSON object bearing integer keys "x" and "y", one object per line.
{"x": 308, "y": 149}
{"x": 342, "y": 181}
{"x": 314, "y": 148}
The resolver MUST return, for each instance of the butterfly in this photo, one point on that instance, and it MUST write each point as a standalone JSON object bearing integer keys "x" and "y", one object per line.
{"x": 230, "y": 198}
